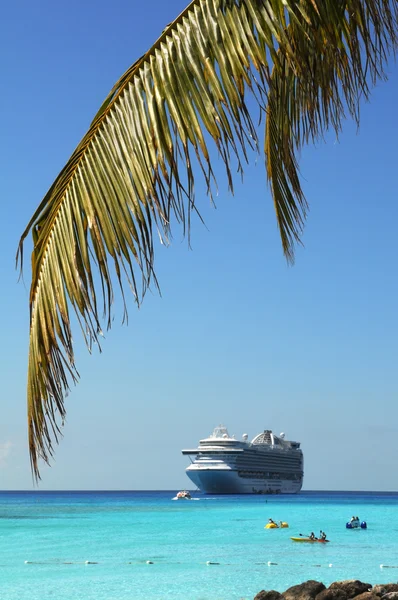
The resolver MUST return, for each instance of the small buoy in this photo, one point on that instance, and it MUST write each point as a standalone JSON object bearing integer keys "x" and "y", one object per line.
{"x": 330, "y": 565}
{"x": 271, "y": 563}
{"x": 149, "y": 562}
{"x": 381, "y": 566}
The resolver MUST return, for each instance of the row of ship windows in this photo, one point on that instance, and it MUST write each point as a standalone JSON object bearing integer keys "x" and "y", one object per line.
{"x": 272, "y": 458}
{"x": 244, "y": 467}
{"x": 269, "y": 475}
{"x": 258, "y": 460}
{"x": 270, "y": 463}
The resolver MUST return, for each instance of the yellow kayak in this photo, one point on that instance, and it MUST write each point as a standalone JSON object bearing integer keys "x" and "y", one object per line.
{"x": 307, "y": 539}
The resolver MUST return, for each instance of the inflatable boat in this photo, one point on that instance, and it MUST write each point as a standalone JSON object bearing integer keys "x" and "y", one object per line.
{"x": 356, "y": 524}
{"x": 281, "y": 525}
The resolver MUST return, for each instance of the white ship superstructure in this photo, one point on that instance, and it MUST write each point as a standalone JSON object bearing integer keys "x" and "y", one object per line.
{"x": 269, "y": 464}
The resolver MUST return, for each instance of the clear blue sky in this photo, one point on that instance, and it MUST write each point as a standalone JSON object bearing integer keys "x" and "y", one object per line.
{"x": 238, "y": 337}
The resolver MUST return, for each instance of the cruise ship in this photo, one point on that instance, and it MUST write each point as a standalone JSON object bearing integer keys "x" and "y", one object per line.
{"x": 269, "y": 464}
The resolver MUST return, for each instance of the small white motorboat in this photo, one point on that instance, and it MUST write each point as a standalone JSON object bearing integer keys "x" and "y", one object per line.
{"x": 184, "y": 495}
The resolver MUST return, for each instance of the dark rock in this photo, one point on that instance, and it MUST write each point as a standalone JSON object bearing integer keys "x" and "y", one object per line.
{"x": 271, "y": 595}
{"x": 367, "y": 596}
{"x": 304, "y": 591}
{"x": 339, "y": 590}
{"x": 335, "y": 594}
{"x": 385, "y": 588}
{"x": 352, "y": 587}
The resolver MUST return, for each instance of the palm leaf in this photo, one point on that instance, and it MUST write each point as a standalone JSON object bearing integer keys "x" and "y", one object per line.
{"x": 305, "y": 61}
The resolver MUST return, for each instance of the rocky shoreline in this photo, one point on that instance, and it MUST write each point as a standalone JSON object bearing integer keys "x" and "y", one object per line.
{"x": 339, "y": 590}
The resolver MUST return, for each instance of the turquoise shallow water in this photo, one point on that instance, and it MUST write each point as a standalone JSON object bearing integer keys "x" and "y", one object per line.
{"x": 57, "y": 532}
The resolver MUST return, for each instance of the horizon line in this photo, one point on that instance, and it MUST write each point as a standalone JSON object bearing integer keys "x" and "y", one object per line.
{"x": 120, "y": 490}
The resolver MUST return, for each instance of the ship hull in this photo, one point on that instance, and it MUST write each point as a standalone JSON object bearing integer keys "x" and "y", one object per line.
{"x": 228, "y": 481}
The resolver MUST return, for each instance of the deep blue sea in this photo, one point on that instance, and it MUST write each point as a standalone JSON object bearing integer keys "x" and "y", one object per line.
{"x": 146, "y": 546}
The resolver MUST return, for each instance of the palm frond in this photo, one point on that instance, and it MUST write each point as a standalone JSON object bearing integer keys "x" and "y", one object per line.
{"x": 306, "y": 62}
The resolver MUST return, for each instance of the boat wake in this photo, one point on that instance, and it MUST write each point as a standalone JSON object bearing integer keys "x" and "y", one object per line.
{"x": 176, "y": 498}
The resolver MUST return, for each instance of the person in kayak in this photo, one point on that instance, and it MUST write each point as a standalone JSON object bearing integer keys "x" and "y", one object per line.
{"x": 322, "y": 535}
{"x": 312, "y": 536}
{"x": 273, "y": 522}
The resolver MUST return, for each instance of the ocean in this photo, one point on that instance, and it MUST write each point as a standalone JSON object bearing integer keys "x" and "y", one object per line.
{"x": 146, "y": 546}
